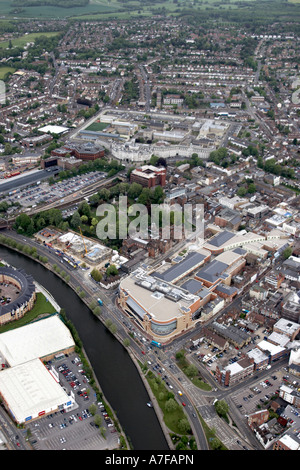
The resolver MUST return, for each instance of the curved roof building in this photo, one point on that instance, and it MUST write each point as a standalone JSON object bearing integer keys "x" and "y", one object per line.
{"x": 26, "y": 293}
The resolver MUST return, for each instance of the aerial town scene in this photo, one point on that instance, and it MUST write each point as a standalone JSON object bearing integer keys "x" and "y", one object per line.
{"x": 150, "y": 226}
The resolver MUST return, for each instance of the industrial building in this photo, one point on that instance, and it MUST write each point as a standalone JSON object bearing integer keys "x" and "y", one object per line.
{"x": 28, "y": 388}
{"x": 29, "y": 391}
{"x": 41, "y": 339}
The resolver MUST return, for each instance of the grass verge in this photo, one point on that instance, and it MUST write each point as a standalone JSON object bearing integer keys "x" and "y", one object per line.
{"x": 41, "y": 307}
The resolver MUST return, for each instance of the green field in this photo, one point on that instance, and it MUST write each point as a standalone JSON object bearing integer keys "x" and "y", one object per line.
{"x": 97, "y": 126}
{"x": 5, "y": 70}
{"x": 23, "y": 40}
{"x": 193, "y": 11}
{"x": 197, "y": 10}
{"x": 53, "y": 12}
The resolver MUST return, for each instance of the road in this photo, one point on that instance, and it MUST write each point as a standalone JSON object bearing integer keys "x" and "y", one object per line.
{"x": 14, "y": 437}
{"x": 196, "y": 400}
{"x": 109, "y": 310}
{"x": 20, "y": 182}
{"x": 146, "y": 90}
{"x": 71, "y": 199}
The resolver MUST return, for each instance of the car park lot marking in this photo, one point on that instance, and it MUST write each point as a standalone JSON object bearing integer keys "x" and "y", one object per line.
{"x": 247, "y": 399}
{"x": 73, "y": 429}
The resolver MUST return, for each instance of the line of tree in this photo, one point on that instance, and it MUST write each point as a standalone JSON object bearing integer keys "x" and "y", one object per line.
{"x": 271, "y": 166}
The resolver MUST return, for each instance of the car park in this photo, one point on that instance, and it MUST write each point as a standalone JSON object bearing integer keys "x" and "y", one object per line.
{"x": 64, "y": 421}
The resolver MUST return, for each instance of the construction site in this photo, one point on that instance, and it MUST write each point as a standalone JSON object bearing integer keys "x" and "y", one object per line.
{"x": 79, "y": 251}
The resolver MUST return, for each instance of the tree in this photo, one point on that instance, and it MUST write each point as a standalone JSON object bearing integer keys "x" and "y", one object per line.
{"x": 153, "y": 160}
{"x": 84, "y": 219}
{"x": 22, "y": 222}
{"x": 251, "y": 188}
{"x": 96, "y": 275}
{"x": 94, "y": 199}
{"x": 157, "y": 195}
{"x": 171, "y": 405}
{"x": 104, "y": 194}
{"x": 93, "y": 409}
{"x": 84, "y": 209}
{"x": 191, "y": 370}
{"x": 97, "y": 420}
{"x": 183, "y": 425}
{"x": 241, "y": 191}
{"x": 135, "y": 190}
{"x": 75, "y": 220}
{"x": 145, "y": 197}
{"x": 287, "y": 252}
{"x": 97, "y": 311}
{"x": 112, "y": 270}
{"x": 221, "y": 408}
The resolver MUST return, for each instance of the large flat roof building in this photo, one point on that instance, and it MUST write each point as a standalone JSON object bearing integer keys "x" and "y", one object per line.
{"x": 185, "y": 266}
{"x": 27, "y": 387}
{"x": 29, "y": 391}
{"x": 160, "y": 308}
{"x": 40, "y": 339}
{"x": 222, "y": 268}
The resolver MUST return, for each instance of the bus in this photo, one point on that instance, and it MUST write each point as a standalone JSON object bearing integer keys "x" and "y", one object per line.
{"x": 155, "y": 343}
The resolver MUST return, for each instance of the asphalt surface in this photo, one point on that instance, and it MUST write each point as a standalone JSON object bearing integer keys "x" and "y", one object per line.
{"x": 16, "y": 183}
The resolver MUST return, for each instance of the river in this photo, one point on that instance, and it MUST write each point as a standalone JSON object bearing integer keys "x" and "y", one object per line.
{"x": 113, "y": 368}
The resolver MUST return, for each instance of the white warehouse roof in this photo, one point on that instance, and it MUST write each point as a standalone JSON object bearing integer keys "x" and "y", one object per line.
{"x": 29, "y": 390}
{"x": 35, "y": 340}
{"x": 54, "y": 129}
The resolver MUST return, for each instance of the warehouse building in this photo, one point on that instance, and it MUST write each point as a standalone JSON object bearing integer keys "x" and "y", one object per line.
{"x": 41, "y": 339}
{"x": 28, "y": 388}
{"x": 29, "y": 391}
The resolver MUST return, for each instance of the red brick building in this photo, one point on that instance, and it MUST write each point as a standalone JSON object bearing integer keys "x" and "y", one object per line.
{"x": 149, "y": 176}
{"x": 84, "y": 152}
{"x": 258, "y": 418}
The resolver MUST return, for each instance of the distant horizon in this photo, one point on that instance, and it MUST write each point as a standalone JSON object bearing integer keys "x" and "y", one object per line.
{"x": 202, "y": 10}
